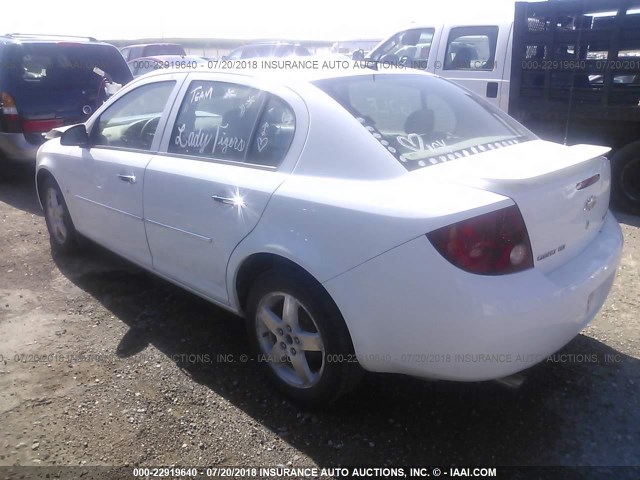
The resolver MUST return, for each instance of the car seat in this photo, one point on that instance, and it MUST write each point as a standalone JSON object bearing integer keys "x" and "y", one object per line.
{"x": 463, "y": 58}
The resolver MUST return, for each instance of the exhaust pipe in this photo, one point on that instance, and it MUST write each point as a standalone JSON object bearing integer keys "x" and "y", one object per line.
{"x": 512, "y": 381}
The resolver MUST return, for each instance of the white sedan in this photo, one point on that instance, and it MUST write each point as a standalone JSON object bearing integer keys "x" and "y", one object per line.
{"x": 390, "y": 221}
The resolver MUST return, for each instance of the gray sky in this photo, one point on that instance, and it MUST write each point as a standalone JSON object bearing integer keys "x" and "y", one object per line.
{"x": 302, "y": 19}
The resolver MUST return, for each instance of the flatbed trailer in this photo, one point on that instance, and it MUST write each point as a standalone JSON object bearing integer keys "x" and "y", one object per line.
{"x": 575, "y": 78}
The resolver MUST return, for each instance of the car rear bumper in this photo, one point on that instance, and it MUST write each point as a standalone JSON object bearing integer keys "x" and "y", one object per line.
{"x": 409, "y": 311}
{"x": 16, "y": 147}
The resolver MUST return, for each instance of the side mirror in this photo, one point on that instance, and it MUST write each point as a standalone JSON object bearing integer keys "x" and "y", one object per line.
{"x": 75, "y": 136}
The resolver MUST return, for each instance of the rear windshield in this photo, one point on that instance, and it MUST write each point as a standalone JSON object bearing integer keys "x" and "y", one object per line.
{"x": 424, "y": 120}
{"x": 61, "y": 65}
{"x": 153, "y": 50}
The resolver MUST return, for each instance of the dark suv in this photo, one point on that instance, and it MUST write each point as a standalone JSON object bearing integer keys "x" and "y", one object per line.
{"x": 50, "y": 81}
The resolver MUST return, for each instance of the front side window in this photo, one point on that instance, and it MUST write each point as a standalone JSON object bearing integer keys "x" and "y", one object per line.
{"x": 410, "y": 48}
{"x": 423, "y": 120}
{"x": 471, "y": 48}
{"x": 132, "y": 121}
{"x": 227, "y": 121}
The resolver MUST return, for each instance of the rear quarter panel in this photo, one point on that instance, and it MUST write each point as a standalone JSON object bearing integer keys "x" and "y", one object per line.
{"x": 349, "y": 200}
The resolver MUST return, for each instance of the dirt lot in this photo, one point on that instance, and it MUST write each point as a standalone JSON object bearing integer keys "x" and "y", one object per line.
{"x": 102, "y": 364}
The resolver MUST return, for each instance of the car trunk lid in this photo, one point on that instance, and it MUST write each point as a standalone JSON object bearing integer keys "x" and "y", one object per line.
{"x": 561, "y": 191}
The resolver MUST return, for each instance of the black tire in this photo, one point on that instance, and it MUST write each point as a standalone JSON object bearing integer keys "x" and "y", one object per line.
{"x": 62, "y": 233}
{"x": 625, "y": 173}
{"x": 335, "y": 369}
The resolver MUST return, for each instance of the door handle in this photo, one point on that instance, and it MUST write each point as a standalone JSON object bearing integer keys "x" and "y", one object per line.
{"x": 228, "y": 201}
{"x": 492, "y": 90}
{"x": 127, "y": 178}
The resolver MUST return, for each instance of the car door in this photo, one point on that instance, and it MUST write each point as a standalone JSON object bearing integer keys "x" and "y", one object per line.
{"x": 473, "y": 56}
{"x": 227, "y": 147}
{"x": 109, "y": 179}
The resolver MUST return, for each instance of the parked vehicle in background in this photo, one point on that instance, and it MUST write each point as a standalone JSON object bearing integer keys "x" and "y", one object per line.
{"x": 131, "y": 52}
{"x": 50, "y": 81}
{"x": 388, "y": 219}
{"x": 143, "y": 65}
{"x": 348, "y": 47}
{"x": 575, "y": 75}
{"x": 268, "y": 49}
{"x": 568, "y": 70}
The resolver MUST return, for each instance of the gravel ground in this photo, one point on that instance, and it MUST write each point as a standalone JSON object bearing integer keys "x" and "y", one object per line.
{"x": 103, "y": 364}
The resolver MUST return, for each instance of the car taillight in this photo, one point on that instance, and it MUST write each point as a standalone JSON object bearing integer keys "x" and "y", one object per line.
{"x": 9, "y": 119}
{"x": 39, "y": 126}
{"x": 495, "y": 243}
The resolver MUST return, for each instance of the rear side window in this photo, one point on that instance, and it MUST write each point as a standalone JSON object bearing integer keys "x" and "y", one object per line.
{"x": 64, "y": 65}
{"x": 471, "y": 48}
{"x": 227, "y": 121}
{"x": 423, "y": 120}
{"x": 274, "y": 134}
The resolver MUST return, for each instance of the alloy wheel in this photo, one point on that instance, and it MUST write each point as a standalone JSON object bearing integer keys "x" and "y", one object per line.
{"x": 289, "y": 340}
{"x": 55, "y": 212}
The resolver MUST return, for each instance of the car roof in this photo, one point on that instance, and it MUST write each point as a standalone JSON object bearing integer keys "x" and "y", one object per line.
{"x": 477, "y": 23}
{"x": 152, "y": 44}
{"x": 274, "y": 43}
{"x": 43, "y": 38}
{"x": 465, "y": 19}
{"x": 168, "y": 58}
{"x": 297, "y": 72}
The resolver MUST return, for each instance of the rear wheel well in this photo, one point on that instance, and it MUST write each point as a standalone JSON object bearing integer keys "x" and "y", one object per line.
{"x": 625, "y": 173}
{"x": 264, "y": 274}
{"x": 260, "y": 263}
